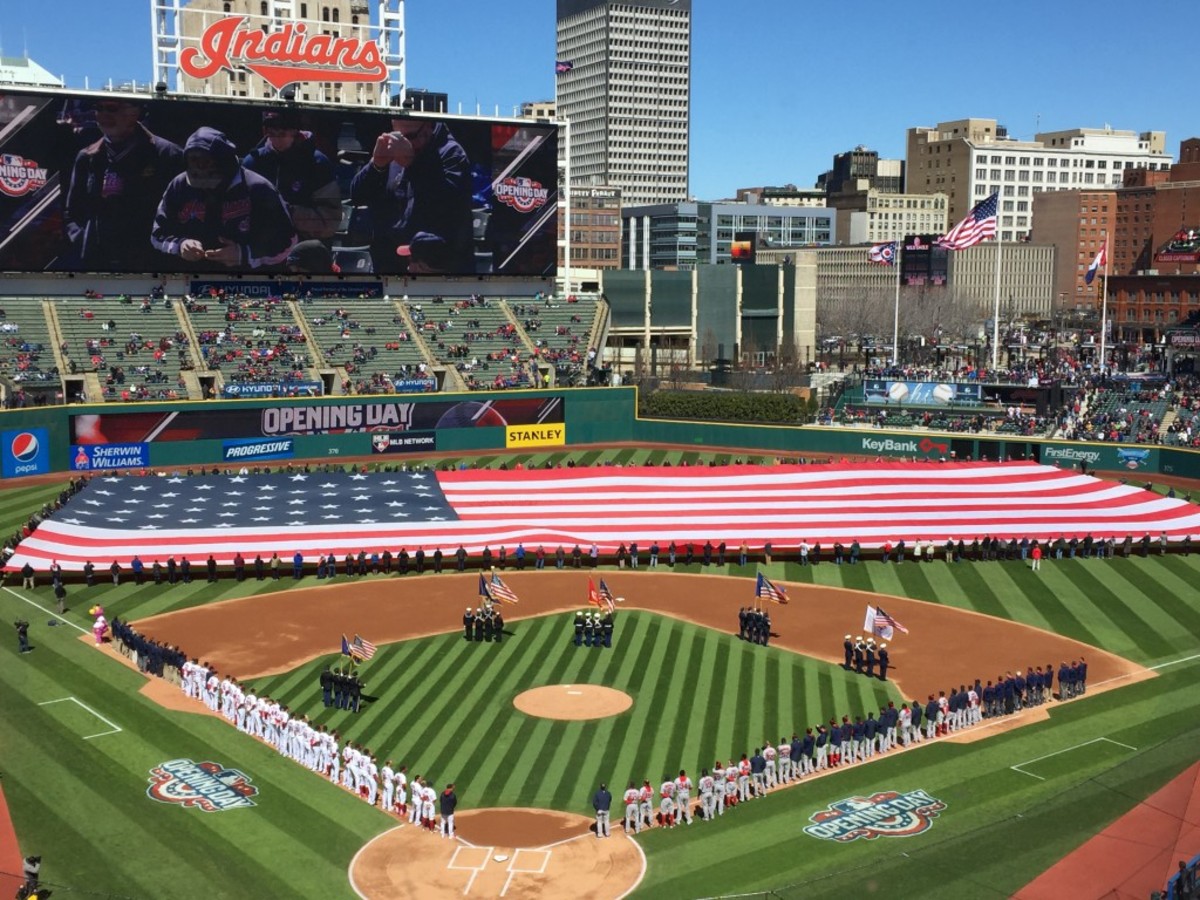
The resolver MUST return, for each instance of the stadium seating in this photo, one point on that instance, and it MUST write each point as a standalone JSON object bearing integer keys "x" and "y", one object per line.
{"x": 136, "y": 346}
{"x": 369, "y": 338}
{"x": 560, "y": 329}
{"x": 478, "y": 338}
{"x": 26, "y": 347}
{"x": 250, "y": 340}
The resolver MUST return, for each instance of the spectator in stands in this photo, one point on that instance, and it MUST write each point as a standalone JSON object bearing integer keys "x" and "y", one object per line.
{"x": 289, "y": 159}
{"x": 115, "y": 187}
{"x": 417, "y": 190}
{"x": 218, "y": 215}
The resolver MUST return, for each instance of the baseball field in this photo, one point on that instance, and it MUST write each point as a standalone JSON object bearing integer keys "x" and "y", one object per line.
{"x": 83, "y": 736}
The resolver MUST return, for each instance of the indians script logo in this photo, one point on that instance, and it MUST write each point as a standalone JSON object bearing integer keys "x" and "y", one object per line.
{"x": 20, "y": 176}
{"x": 282, "y": 57}
{"x": 207, "y": 785}
{"x": 885, "y": 814}
{"x": 522, "y": 194}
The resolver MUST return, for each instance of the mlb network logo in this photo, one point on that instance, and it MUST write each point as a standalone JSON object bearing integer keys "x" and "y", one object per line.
{"x": 25, "y": 452}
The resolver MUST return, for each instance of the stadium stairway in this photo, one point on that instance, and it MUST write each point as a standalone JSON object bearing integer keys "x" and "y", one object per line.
{"x": 190, "y": 379}
{"x": 319, "y": 363}
{"x": 452, "y": 379}
{"x": 526, "y": 341}
{"x": 598, "y": 335}
{"x": 1168, "y": 420}
{"x": 56, "y": 338}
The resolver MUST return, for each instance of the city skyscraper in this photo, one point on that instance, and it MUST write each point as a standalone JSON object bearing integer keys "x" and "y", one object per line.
{"x": 626, "y": 92}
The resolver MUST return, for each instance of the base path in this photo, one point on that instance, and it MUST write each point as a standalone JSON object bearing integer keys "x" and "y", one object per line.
{"x": 511, "y": 853}
{"x": 271, "y": 634}
{"x": 11, "y": 861}
{"x": 1133, "y": 856}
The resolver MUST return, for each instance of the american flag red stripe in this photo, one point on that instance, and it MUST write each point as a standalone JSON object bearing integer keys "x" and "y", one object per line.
{"x": 871, "y": 503}
{"x": 365, "y": 648}
{"x": 501, "y": 591}
{"x": 979, "y": 225}
{"x": 767, "y": 588}
{"x": 883, "y": 620}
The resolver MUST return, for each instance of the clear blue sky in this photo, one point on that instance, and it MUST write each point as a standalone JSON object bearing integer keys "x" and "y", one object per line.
{"x": 777, "y": 87}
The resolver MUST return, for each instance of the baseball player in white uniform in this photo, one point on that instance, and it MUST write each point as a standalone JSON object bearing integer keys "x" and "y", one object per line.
{"x": 770, "y": 777}
{"x": 666, "y": 804}
{"x": 785, "y": 761}
{"x": 708, "y": 801}
{"x": 683, "y": 797}
{"x": 429, "y": 807}
{"x": 646, "y": 803}
{"x": 632, "y": 798}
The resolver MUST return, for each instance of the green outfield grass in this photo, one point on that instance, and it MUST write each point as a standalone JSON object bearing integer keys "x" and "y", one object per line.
{"x": 444, "y": 708}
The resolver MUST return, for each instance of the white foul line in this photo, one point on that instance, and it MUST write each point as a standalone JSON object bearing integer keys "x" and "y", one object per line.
{"x": 49, "y": 612}
{"x": 1017, "y": 767}
{"x": 115, "y": 728}
{"x": 1175, "y": 662}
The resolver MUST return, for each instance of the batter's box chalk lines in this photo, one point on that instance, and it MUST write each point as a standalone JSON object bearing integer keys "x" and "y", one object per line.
{"x": 474, "y": 870}
{"x": 115, "y": 729}
{"x": 1029, "y": 762}
{"x": 514, "y": 868}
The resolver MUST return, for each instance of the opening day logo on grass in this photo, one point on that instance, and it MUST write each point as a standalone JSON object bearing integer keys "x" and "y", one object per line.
{"x": 885, "y": 814}
{"x": 207, "y": 785}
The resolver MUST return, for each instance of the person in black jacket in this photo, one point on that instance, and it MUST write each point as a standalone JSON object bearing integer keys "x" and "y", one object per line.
{"x": 602, "y": 804}
{"x": 218, "y": 215}
{"x": 447, "y": 803}
{"x": 468, "y": 623}
{"x": 114, "y": 190}
{"x": 304, "y": 176}
{"x": 417, "y": 191}
{"x": 327, "y": 687}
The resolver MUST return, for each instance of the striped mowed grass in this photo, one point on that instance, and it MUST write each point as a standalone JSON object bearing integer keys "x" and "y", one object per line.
{"x": 444, "y": 706}
{"x": 85, "y": 799}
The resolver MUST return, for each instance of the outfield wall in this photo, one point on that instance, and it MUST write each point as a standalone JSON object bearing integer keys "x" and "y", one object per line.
{"x": 236, "y": 432}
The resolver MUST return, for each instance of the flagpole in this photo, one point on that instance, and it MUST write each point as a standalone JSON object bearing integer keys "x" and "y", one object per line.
{"x": 896, "y": 312}
{"x": 996, "y": 315}
{"x": 1104, "y": 307}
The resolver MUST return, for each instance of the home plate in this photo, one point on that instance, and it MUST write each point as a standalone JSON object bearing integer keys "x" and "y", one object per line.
{"x": 576, "y": 693}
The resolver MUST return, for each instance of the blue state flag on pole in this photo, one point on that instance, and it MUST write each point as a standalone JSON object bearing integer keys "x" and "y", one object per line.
{"x": 345, "y": 646}
{"x": 884, "y": 254}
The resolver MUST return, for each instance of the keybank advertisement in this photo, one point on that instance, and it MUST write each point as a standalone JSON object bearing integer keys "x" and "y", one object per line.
{"x": 93, "y": 457}
{"x": 26, "y": 452}
{"x": 297, "y": 419}
{"x": 921, "y": 393}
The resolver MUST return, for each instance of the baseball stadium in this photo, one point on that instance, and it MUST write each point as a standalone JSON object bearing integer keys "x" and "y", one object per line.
{"x": 352, "y": 552}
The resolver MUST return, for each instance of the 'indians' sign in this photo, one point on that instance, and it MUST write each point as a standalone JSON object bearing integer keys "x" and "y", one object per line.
{"x": 283, "y": 57}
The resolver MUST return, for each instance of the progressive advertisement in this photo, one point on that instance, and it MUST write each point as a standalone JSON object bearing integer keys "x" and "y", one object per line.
{"x": 124, "y": 183}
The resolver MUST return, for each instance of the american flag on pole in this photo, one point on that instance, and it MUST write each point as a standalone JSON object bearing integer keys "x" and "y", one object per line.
{"x": 156, "y": 518}
{"x": 770, "y": 590}
{"x": 884, "y": 624}
{"x": 501, "y": 591}
{"x": 979, "y": 225}
{"x": 606, "y": 597}
{"x": 364, "y": 648}
{"x": 563, "y": 66}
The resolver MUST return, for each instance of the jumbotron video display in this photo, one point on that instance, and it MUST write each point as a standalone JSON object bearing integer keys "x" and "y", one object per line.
{"x": 122, "y": 183}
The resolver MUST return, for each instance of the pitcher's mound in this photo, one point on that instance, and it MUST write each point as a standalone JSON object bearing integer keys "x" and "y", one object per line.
{"x": 572, "y": 701}
{"x": 518, "y": 854}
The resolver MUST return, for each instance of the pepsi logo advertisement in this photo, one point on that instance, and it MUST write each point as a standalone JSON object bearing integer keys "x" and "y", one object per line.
{"x": 26, "y": 452}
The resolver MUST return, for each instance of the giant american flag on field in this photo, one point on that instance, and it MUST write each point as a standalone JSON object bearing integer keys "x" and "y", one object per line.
{"x": 316, "y": 513}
